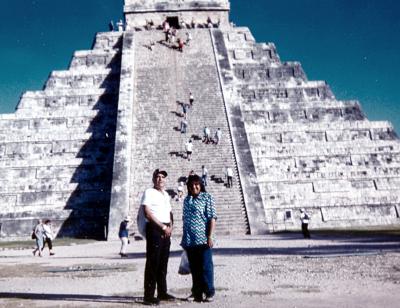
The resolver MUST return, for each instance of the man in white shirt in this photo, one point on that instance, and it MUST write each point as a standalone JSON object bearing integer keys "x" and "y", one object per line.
{"x": 229, "y": 176}
{"x": 157, "y": 210}
{"x": 218, "y": 136}
{"x": 206, "y": 132}
{"x": 189, "y": 149}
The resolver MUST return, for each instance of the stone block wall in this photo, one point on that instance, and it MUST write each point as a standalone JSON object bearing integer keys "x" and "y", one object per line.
{"x": 309, "y": 149}
{"x": 56, "y": 150}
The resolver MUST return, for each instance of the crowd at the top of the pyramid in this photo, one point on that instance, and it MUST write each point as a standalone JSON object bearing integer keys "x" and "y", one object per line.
{"x": 120, "y": 25}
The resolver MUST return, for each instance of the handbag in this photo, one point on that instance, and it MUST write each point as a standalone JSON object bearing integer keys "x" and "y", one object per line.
{"x": 184, "y": 267}
{"x": 33, "y": 236}
{"x": 141, "y": 221}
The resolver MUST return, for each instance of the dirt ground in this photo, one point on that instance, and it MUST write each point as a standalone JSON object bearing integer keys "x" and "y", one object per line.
{"x": 281, "y": 270}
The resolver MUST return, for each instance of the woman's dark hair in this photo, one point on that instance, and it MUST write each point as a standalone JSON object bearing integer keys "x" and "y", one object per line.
{"x": 195, "y": 179}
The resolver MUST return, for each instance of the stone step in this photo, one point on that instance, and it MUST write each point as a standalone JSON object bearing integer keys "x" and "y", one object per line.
{"x": 260, "y": 72}
{"x": 42, "y": 155}
{"x": 94, "y": 59}
{"x": 24, "y": 136}
{"x": 76, "y": 80}
{"x": 362, "y": 198}
{"x": 297, "y": 105}
{"x": 79, "y": 124}
{"x": 334, "y": 174}
{"x": 329, "y": 136}
{"x": 31, "y": 201}
{"x": 316, "y": 186}
{"x": 316, "y": 149}
{"x": 34, "y": 102}
{"x": 294, "y": 127}
{"x": 287, "y": 90}
{"x": 31, "y": 184}
{"x": 108, "y": 41}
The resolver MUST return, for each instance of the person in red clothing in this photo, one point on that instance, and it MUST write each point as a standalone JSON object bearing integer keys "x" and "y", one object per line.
{"x": 180, "y": 45}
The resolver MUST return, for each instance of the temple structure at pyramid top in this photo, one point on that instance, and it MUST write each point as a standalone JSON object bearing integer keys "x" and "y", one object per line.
{"x": 81, "y": 151}
{"x": 177, "y": 12}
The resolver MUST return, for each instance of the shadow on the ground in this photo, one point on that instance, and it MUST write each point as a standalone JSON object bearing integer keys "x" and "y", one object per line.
{"x": 342, "y": 244}
{"x": 337, "y": 236}
{"x": 72, "y": 297}
{"x": 315, "y": 250}
{"x": 112, "y": 299}
{"x": 309, "y": 249}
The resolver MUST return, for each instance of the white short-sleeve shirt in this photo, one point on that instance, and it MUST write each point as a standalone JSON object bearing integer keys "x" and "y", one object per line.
{"x": 158, "y": 203}
{"x": 189, "y": 147}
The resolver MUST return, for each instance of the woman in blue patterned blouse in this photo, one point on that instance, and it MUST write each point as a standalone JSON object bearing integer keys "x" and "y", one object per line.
{"x": 199, "y": 219}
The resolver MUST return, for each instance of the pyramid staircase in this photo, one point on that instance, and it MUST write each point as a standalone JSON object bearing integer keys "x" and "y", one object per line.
{"x": 163, "y": 79}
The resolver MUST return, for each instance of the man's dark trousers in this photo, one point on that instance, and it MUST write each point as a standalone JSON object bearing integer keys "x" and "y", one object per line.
{"x": 304, "y": 230}
{"x": 157, "y": 255}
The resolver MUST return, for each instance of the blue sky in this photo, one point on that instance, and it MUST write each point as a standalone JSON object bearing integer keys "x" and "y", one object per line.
{"x": 354, "y": 45}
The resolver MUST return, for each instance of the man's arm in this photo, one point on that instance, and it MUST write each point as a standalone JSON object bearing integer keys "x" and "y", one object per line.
{"x": 151, "y": 219}
{"x": 172, "y": 218}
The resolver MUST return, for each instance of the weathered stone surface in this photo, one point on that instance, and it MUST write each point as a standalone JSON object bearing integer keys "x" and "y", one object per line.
{"x": 309, "y": 149}
{"x": 56, "y": 150}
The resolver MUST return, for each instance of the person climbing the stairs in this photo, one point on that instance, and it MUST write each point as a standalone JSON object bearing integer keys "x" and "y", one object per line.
{"x": 184, "y": 124}
{"x": 229, "y": 176}
{"x": 180, "y": 44}
{"x": 204, "y": 175}
{"x": 189, "y": 149}
{"x": 218, "y": 136}
{"x": 206, "y": 135}
{"x": 191, "y": 99}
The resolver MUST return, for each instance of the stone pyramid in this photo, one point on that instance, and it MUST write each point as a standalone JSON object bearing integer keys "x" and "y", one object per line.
{"x": 81, "y": 151}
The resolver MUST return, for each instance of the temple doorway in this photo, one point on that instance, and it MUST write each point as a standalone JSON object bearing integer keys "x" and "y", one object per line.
{"x": 173, "y": 22}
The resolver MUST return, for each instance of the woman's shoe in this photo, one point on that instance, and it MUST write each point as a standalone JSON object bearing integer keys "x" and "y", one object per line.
{"x": 209, "y": 299}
